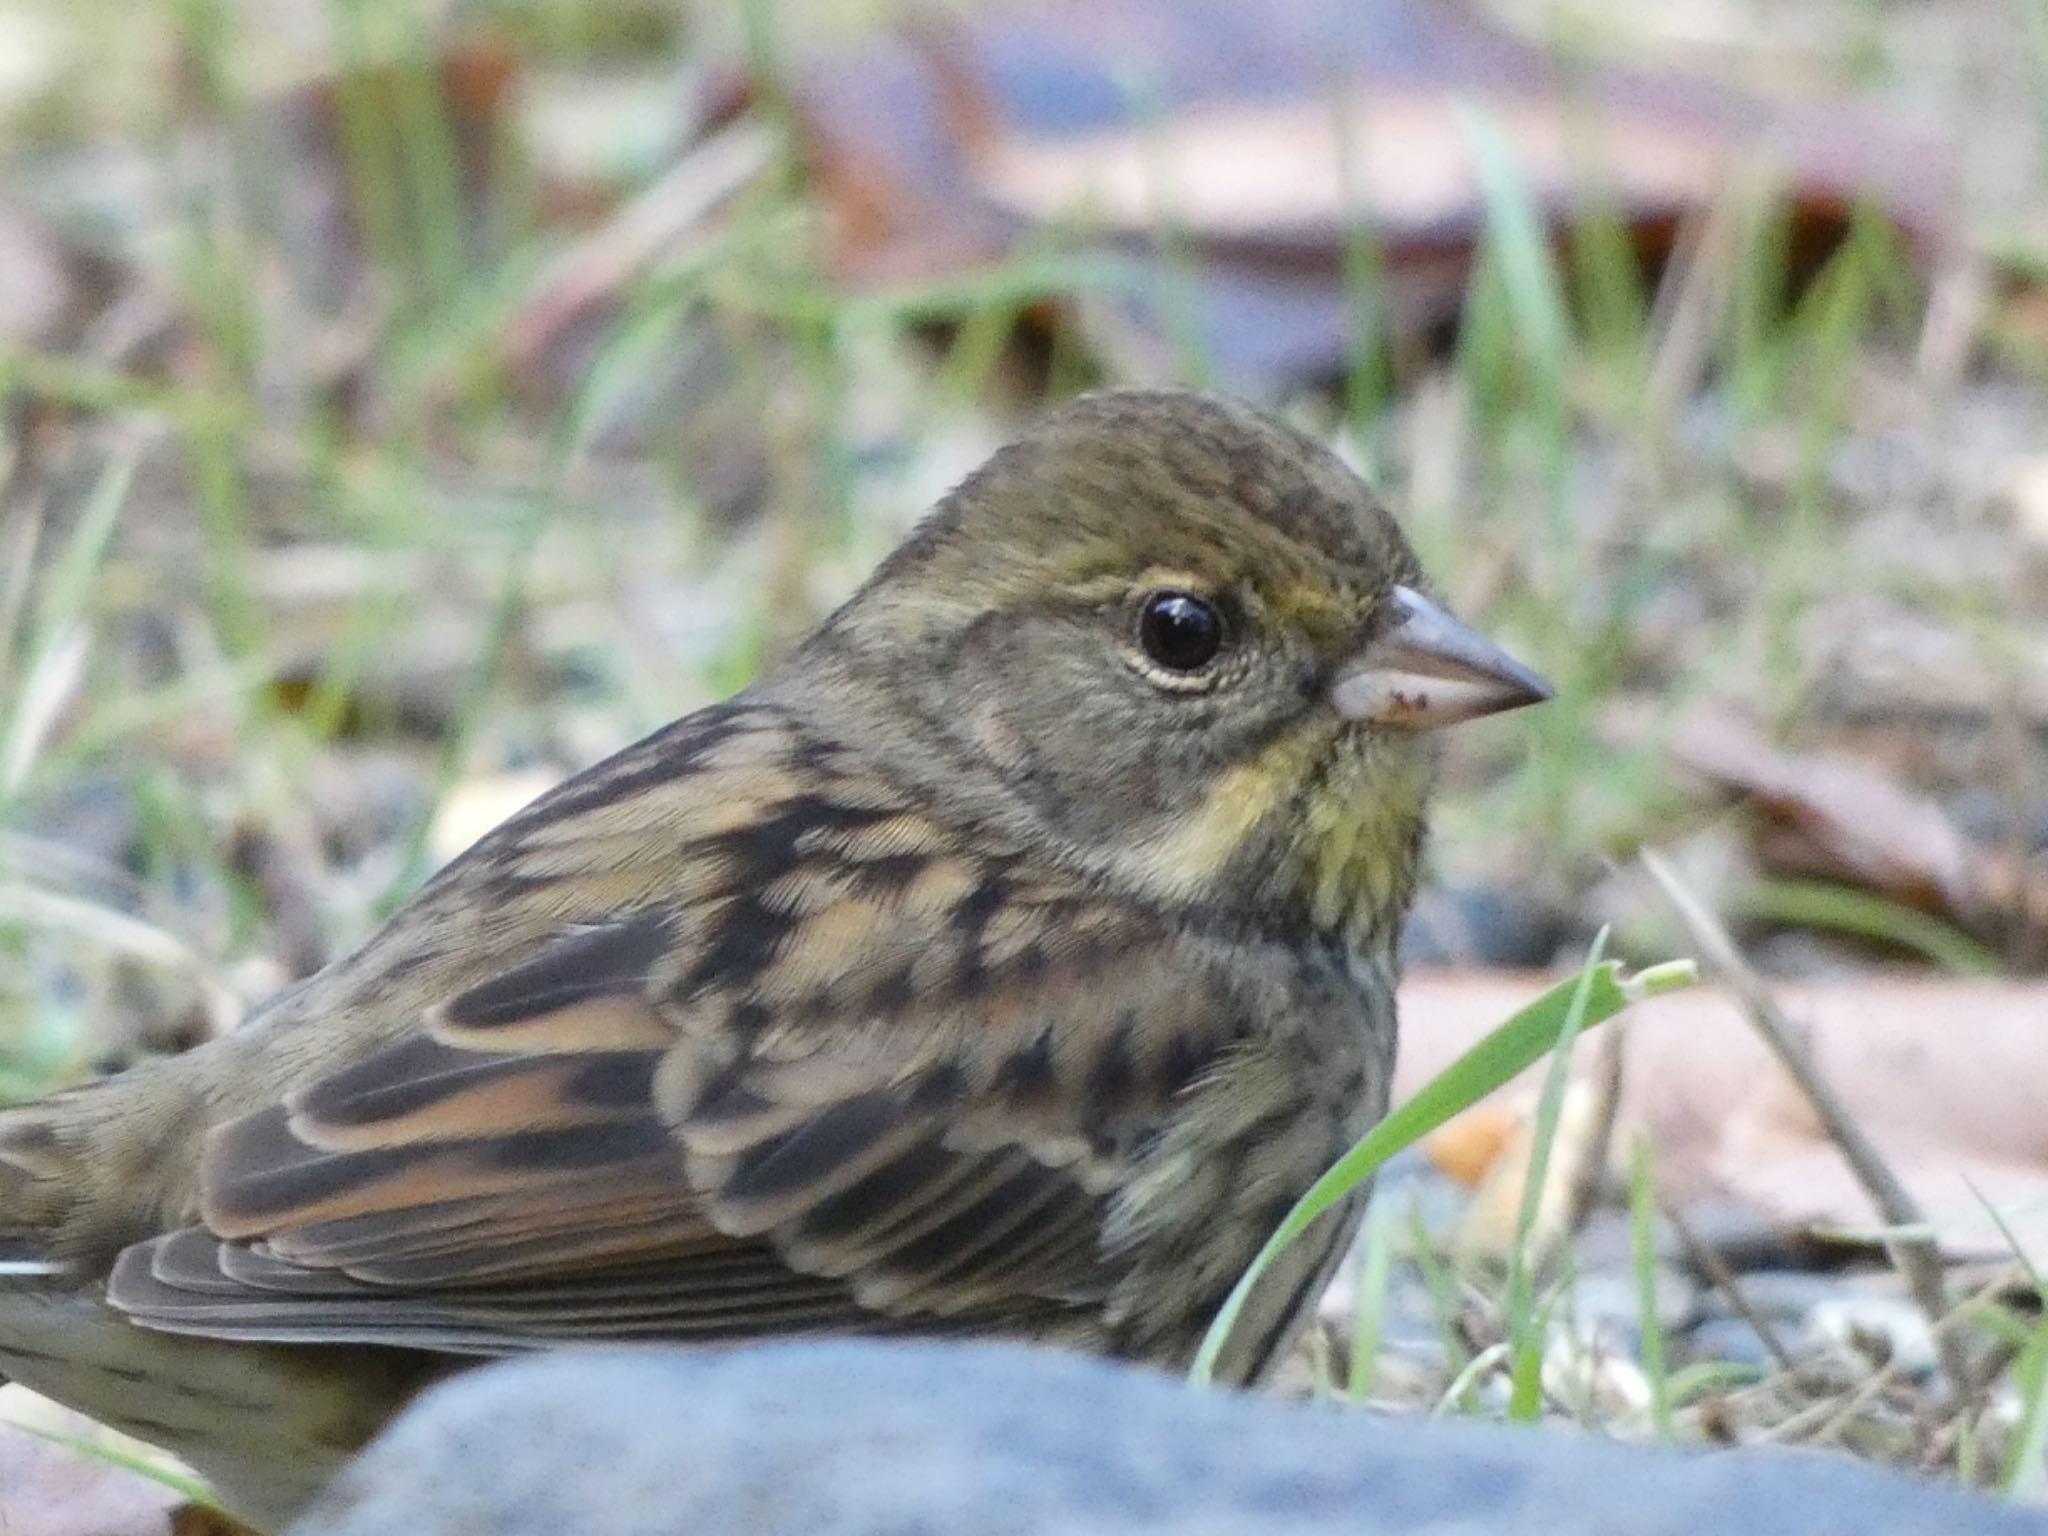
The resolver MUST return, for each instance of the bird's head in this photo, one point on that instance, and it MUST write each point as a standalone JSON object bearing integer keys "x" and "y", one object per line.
{"x": 1188, "y": 643}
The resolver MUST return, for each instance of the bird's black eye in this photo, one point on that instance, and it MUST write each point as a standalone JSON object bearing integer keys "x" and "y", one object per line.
{"x": 1180, "y": 631}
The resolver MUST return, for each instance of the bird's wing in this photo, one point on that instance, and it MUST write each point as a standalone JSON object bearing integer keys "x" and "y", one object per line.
{"x": 863, "y": 1079}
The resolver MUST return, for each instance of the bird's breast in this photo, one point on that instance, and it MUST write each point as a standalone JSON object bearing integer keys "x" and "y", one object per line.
{"x": 1245, "y": 1145}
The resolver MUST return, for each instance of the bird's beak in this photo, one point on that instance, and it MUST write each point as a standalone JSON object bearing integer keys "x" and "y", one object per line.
{"x": 1427, "y": 670}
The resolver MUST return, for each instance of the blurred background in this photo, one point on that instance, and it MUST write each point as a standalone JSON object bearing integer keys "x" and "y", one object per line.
{"x": 407, "y": 404}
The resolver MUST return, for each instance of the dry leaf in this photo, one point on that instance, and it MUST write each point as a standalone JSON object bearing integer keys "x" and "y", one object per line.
{"x": 1840, "y": 819}
{"x": 1465, "y": 1147}
{"x": 1487, "y": 1226}
{"x": 1835, "y": 818}
{"x": 1946, "y": 1077}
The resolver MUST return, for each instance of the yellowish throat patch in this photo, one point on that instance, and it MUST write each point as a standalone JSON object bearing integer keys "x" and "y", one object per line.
{"x": 1353, "y": 829}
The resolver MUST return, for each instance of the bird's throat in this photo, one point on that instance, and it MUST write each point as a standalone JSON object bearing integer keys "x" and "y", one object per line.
{"x": 1360, "y": 829}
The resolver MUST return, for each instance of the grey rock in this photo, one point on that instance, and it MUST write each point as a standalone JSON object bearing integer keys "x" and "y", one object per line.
{"x": 864, "y": 1438}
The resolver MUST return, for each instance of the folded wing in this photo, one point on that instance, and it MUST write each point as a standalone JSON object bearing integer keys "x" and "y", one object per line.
{"x": 850, "y": 1099}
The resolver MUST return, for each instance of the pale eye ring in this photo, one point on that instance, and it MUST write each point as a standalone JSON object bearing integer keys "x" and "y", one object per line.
{"x": 1181, "y": 631}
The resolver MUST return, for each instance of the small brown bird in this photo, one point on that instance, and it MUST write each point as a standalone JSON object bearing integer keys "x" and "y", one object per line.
{"x": 1007, "y": 961}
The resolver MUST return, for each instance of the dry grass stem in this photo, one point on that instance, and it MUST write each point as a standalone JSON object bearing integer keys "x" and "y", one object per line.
{"x": 1917, "y": 1257}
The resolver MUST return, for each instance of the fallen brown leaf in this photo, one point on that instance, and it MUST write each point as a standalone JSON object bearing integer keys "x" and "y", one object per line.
{"x": 1946, "y": 1077}
{"x": 1841, "y": 819}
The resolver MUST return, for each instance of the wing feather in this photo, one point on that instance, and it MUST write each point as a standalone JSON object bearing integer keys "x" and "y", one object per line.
{"x": 903, "y": 1102}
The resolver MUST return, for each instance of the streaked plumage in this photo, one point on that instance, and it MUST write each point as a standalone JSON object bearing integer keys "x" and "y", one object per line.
{"x": 975, "y": 971}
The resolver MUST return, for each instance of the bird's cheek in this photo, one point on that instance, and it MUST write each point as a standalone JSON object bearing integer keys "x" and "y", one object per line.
{"x": 1183, "y": 854}
{"x": 993, "y": 734}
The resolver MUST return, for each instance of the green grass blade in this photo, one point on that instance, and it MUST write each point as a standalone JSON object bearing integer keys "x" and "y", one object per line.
{"x": 1369, "y": 371}
{"x": 1862, "y": 915}
{"x": 188, "y": 1488}
{"x": 2024, "y": 1473}
{"x": 1179, "y": 286}
{"x": 1642, "y": 1213}
{"x": 1442, "y": 1286}
{"x": 1368, "y": 1317}
{"x": 1462, "y": 1385}
{"x": 1515, "y": 232}
{"x": 1503, "y": 1055}
{"x": 1526, "y": 1328}
{"x": 59, "y": 615}
{"x": 1695, "y": 1381}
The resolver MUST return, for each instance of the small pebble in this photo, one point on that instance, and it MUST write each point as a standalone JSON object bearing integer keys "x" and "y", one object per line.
{"x": 1783, "y": 1295}
{"x": 1608, "y": 1242}
{"x": 1729, "y": 1340}
{"x": 1883, "y": 1329}
{"x": 1612, "y": 1301}
{"x": 1596, "y": 1380}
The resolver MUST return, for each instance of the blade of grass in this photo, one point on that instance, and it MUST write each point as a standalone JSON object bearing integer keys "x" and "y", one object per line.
{"x": 1462, "y": 1384}
{"x": 1642, "y": 1211}
{"x": 427, "y": 152}
{"x": 1533, "y": 328}
{"x": 1369, "y": 375}
{"x": 1758, "y": 345}
{"x": 1694, "y": 1381}
{"x": 1441, "y": 1285}
{"x": 188, "y": 1488}
{"x": 1369, "y": 1308}
{"x": 1525, "y": 1322}
{"x": 1609, "y": 281}
{"x": 1518, "y": 240}
{"x": 1503, "y": 1055}
{"x": 1320, "y": 1391}
{"x": 1842, "y": 909}
{"x": 58, "y": 620}
{"x": 2025, "y": 1475}
{"x": 369, "y": 143}
{"x": 1179, "y": 285}
{"x": 2019, "y": 1252}
{"x": 2025, "y": 1472}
